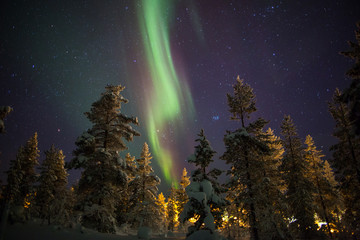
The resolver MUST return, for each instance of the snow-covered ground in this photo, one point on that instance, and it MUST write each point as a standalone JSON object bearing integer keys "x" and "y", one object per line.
{"x": 36, "y": 231}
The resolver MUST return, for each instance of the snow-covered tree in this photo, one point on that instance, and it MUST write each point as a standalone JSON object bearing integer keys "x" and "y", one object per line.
{"x": 203, "y": 200}
{"x": 14, "y": 179}
{"x": 97, "y": 152}
{"x": 123, "y": 205}
{"x": 4, "y": 111}
{"x": 300, "y": 188}
{"x": 346, "y": 162}
{"x": 243, "y": 148}
{"x": 21, "y": 180}
{"x": 52, "y": 198}
{"x": 202, "y": 156}
{"x": 143, "y": 210}
{"x": 271, "y": 207}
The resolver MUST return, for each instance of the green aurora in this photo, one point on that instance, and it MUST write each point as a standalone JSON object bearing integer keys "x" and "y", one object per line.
{"x": 169, "y": 100}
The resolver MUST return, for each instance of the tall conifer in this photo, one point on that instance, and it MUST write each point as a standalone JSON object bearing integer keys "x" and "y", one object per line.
{"x": 346, "y": 162}
{"x": 52, "y": 198}
{"x": 143, "y": 210}
{"x": 242, "y": 146}
{"x": 300, "y": 188}
{"x": 352, "y": 94}
{"x": 97, "y": 152}
{"x": 325, "y": 194}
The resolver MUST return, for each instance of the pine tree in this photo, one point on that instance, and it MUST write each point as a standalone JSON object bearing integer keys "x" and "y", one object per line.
{"x": 162, "y": 206}
{"x": 346, "y": 162}
{"x": 352, "y": 94}
{"x": 300, "y": 188}
{"x": 144, "y": 210}
{"x": 203, "y": 201}
{"x": 242, "y": 148}
{"x": 325, "y": 194}
{"x": 52, "y": 195}
{"x": 97, "y": 153}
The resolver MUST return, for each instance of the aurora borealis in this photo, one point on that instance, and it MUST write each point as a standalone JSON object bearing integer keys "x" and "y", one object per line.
{"x": 166, "y": 88}
{"x": 177, "y": 59}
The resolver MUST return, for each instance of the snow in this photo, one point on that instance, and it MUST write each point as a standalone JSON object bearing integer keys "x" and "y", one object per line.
{"x": 144, "y": 233}
{"x": 35, "y": 231}
{"x": 205, "y": 235}
{"x": 207, "y": 188}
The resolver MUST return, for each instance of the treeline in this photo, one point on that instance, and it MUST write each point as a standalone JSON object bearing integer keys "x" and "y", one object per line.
{"x": 279, "y": 187}
{"x": 113, "y": 192}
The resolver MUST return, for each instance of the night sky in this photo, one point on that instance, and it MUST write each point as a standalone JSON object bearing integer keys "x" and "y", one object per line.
{"x": 177, "y": 59}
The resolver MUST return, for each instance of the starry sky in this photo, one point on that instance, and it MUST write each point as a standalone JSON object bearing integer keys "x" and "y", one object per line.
{"x": 177, "y": 59}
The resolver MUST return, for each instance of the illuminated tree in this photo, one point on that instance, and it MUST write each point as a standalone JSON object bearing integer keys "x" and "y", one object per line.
{"x": 352, "y": 94}
{"x": 346, "y": 162}
{"x": 162, "y": 206}
{"x": 325, "y": 195}
{"x": 243, "y": 146}
{"x": 181, "y": 193}
{"x": 52, "y": 198}
{"x": 172, "y": 210}
{"x": 97, "y": 152}
{"x": 300, "y": 188}
{"x": 143, "y": 210}
{"x": 131, "y": 167}
{"x": 271, "y": 207}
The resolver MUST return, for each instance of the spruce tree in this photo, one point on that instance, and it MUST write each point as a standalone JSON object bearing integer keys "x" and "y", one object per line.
{"x": 30, "y": 161}
{"x": 271, "y": 203}
{"x": 300, "y": 188}
{"x": 123, "y": 206}
{"x": 352, "y": 94}
{"x": 144, "y": 210}
{"x": 21, "y": 179}
{"x": 325, "y": 194}
{"x": 203, "y": 200}
{"x": 346, "y": 162}
{"x": 14, "y": 179}
{"x": 97, "y": 153}
{"x": 242, "y": 148}
{"x": 52, "y": 198}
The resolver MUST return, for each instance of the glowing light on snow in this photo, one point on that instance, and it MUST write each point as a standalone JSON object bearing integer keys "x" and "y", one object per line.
{"x": 168, "y": 98}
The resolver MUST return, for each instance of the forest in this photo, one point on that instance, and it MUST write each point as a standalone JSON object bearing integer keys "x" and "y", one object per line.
{"x": 279, "y": 187}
